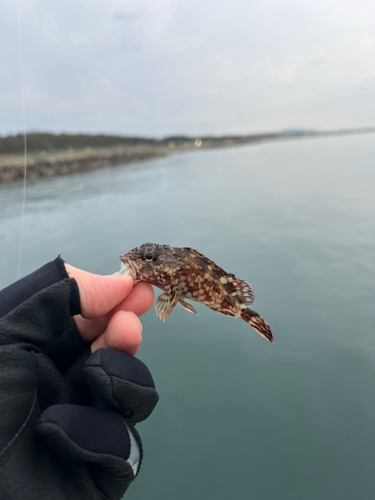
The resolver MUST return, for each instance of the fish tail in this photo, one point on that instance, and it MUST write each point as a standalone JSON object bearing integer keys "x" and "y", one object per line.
{"x": 258, "y": 323}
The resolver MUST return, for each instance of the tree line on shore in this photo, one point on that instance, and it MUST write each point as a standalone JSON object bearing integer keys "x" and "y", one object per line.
{"x": 43, "y": 141}
{"x": 40, "y": 141}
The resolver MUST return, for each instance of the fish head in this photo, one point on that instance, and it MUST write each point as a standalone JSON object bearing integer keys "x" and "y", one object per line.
{"x": 153, "y": 263}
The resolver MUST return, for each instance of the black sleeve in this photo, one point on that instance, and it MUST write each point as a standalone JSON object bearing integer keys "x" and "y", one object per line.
{"x": 67, "y": 417}
{"x": 31, "y": 335}
{"x": 13, "y": 295}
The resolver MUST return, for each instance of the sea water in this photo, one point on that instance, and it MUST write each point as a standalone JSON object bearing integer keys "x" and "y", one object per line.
{"x": 238, "y": 417}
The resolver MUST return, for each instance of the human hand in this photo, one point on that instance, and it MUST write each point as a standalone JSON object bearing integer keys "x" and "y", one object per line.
{"x": 110, "y": 308}
{"x": 67, "y": 420}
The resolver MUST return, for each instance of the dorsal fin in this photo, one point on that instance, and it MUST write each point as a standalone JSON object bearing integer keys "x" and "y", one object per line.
{"x": 242, "y": 289}
{"x": 203, "y": 265}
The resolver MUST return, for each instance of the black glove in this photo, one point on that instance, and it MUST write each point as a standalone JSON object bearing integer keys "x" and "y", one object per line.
{"x": 67, "y": 416}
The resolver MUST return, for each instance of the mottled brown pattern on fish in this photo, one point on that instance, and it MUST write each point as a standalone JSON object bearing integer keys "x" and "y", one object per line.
{"x": 185, "y": 273}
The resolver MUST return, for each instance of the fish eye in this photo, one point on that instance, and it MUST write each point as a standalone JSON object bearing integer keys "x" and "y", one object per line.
{"x": 149, "y": 256}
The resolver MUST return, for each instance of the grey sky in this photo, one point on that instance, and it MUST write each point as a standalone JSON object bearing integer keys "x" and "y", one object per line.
{"x": 159, "y": 67}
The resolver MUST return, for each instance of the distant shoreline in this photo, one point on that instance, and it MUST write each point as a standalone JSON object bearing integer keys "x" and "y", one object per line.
{"x": 66, "y": 162}
{"x": 52, "y": 163}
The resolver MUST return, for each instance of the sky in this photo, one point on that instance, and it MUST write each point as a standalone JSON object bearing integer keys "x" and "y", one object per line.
{"x": 161, "y": 67}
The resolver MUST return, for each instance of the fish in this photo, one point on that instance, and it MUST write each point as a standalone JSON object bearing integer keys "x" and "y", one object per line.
{"x": 185, "y": 273}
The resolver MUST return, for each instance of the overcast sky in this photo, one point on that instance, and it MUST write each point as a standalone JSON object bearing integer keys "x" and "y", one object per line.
{"x": 160, "y": 67}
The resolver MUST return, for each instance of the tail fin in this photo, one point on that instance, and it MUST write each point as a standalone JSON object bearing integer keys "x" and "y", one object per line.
{"x": 258, "y": 323}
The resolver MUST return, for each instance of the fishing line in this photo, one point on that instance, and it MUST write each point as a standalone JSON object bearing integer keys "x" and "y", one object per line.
{"x": 24, "y": 138}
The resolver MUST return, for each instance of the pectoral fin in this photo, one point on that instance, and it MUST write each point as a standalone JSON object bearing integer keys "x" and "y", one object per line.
{"x": 165, "y": 303}
{"x": 187, "y": 306}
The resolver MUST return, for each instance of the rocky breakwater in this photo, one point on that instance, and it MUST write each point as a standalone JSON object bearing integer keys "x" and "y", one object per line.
{"x": 64, "y": 162}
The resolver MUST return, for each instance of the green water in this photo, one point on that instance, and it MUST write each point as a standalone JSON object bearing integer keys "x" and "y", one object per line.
{"x": 238, "y": 417}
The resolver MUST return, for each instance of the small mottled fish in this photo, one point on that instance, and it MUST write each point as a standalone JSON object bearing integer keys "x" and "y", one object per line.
{"x": 184, "y": 273}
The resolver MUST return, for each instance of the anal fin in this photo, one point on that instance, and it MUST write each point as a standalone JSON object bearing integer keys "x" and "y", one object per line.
{"x": 224, "y": 313}
{"x": 187, "y": 306}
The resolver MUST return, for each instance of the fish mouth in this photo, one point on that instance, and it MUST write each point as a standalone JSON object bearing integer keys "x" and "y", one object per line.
{"x": 127, "y": 268}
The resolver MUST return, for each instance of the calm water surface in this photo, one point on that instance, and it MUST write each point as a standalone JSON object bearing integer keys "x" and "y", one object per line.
{"x": 238, "y": 417}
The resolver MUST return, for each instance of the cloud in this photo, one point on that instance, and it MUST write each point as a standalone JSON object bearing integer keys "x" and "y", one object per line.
{"x": 175, "y": 66}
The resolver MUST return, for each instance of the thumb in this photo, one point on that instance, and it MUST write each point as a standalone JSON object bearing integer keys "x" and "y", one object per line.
{"x": 100, "y": 294}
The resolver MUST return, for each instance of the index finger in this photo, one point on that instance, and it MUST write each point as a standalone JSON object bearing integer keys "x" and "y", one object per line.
{"x": 138, "y": 302}
{"x": 100, "y": 294}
